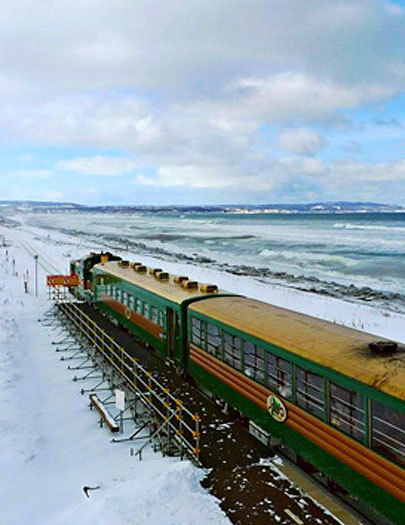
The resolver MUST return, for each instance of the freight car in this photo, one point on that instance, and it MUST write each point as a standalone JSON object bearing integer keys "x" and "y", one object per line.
{"x": 332, "y": 397}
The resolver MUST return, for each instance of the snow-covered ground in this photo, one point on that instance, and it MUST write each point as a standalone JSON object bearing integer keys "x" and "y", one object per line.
{"x": 50, "y": 443}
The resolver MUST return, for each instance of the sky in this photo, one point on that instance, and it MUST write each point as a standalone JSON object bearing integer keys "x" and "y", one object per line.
{"x": 196, "y": 102}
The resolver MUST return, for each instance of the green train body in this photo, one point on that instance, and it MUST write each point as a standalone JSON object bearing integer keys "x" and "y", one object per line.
{"x": 83, "y": 269}
{"x": 348, "y": 478}
{"x": 347, "y": 424}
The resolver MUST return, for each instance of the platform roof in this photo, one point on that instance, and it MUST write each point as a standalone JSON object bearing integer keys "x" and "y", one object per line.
{"x": 167, "y": 289}
{"x": 339, "y": 348}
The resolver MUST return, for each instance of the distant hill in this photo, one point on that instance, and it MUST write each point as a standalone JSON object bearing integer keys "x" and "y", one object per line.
{"x": 314, "y": 207}
{"x": 39, "y": 204}
{"x": 324, "y": 207}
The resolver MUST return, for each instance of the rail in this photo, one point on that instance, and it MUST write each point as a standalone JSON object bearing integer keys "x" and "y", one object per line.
{"x": 182, "y": 424}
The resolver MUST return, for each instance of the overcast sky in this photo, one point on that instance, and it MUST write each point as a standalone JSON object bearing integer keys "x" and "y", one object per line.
{"x": 192, "y": 102}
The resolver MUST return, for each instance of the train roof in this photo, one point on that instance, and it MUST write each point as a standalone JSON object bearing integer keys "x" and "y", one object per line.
{"x": 337, "y": 347}
{"x": 167, "y": 289}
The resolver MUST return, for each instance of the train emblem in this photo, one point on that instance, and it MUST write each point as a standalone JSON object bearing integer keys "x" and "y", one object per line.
{"x": 276, "y": 408}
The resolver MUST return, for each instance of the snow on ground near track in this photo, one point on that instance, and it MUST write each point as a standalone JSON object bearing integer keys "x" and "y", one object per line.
{"x": 50, "y": 443}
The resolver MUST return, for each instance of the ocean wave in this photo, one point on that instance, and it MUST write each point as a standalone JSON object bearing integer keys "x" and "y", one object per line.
{"x": 352, "y": 226}
{"x": 319, "y": 258}
{"x": 220, "y": 238}
{"x": 163, "y": 237}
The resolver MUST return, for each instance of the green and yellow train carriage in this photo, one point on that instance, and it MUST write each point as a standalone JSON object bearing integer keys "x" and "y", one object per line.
{"x": 322, "y": 389}
{"x": 149, "y": 302}
{"x": 319, "y": 388}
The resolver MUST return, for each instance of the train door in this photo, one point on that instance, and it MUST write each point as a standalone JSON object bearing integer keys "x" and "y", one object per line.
{"x": 171, "y": 333}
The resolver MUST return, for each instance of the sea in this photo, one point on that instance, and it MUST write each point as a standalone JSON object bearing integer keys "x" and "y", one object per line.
{"x": 355, "y": 256}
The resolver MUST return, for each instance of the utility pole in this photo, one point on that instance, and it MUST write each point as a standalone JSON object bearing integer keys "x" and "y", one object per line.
{"x": 36, "y": 275}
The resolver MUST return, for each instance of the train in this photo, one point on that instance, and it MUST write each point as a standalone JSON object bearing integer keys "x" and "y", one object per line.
{"x": 330, "y": 397}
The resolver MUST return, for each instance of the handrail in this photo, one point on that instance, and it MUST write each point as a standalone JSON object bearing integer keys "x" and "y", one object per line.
{"x": 171, "y": 410}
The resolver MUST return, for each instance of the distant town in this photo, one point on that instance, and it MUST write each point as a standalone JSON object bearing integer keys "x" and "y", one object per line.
{"x": 338, "y": 207}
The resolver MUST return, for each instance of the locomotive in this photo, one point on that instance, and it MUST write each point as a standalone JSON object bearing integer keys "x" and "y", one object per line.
{"x": 331, "y": 397}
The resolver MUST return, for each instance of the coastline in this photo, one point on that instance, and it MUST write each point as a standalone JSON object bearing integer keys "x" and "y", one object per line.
{"x": 355, "y": 261}
{"x": 60, "y": 247}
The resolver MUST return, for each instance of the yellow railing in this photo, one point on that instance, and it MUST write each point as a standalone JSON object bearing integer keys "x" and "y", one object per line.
{"x": 181, "y": 422}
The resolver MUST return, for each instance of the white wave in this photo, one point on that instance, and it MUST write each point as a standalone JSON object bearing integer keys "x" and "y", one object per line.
{"x": 267, "y": 253}
{"x": 307, "y": 256}
{"x": 351, "y": 226}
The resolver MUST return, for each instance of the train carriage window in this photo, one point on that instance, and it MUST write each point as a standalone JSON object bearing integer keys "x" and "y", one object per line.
{"x": 346, "y": 411}
{"x": 108, "y": 289}
{"x": 279, "y": 374}
{"x": 154, "y": 314}
{"x": 197, "y": 332}
{"x": 388, "y": 432}
{"x": 310, "y": 390}
{"x": 119, "y": 294}
{"x": 146, "y": 310}
{"x": 232, "y": 351}
{"x": 254, "y": 362}
{"x": 131, "y": 302}
{"x": 124, "y": 298}
{"x": 138, "y": 305}
{"x": 161, "y": 320}
{"x": 214, "y": 340}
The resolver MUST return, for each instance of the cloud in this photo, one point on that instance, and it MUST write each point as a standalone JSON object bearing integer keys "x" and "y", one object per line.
{"x": 98, "y": 165}
{"x": 392, "y": 122}
{"x": 188, "y": 89}
{"x": 297, "y": 166}
{"x": 292, "y": 96}
{"x": 214, "y": 130}
{"x": 230, "y": 178}
{"x": 34, "y": 174}
{"x": 353, "y": 147}
{"x": 103, "y": 44}
{"x": 53, "y": 195}
{"x": 300, "y": 141}
{"x": 276, "y": 174}
{"x": 265, "y": 176}
{"x": 344, "y": 171}
{"x": 192, "y": 92}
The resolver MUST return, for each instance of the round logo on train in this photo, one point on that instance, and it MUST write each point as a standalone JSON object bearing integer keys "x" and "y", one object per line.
{"x": 276, "y": 408}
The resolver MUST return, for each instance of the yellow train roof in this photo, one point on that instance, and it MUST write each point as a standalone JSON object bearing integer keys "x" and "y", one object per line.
{"x": 167, "y": 289}
{"x": 339, "y": 348}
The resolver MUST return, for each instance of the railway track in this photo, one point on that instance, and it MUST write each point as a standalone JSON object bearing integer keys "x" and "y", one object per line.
{"x": 47, "y": 266}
